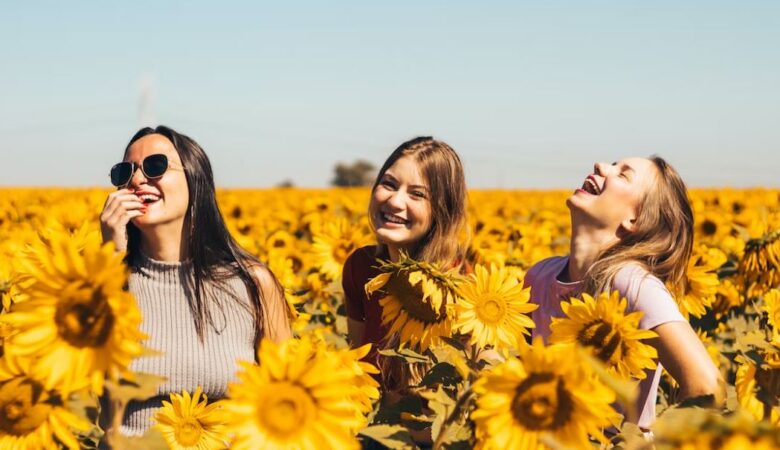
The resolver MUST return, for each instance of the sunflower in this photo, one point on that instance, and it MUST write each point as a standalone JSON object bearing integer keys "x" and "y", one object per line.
{"x": 728, "y": 297}
{"x": 368, "y": 387}
{"x": 697, "y": 429}
{"x": 280, "y": 241}
{"x": 494, "y": 308}
{"x": 187, "y": 422}
{"x": 772, "y": 308}
{"x": 30, "y": 415}
{"x": 7, "y": 284}
{"x": 76, "y": 318}
{"x": 302, "y": 396}
{"x": 760, "y": 265}
{"x": 418, "y": 301}
{"x": 711, "y": 226}
{"x": 602, "y": 326}
{"x": 333, "y": 244}
{"x": 766, "y": 378}
{"x": 702, "y": 281}
{"x": 545, "y": 392}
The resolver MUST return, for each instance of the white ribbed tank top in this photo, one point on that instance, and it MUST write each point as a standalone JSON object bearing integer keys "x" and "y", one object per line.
{"x": 161, "y": 290}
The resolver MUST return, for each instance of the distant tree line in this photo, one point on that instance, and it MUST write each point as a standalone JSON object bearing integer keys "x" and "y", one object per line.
{"x": 359, "y": 173}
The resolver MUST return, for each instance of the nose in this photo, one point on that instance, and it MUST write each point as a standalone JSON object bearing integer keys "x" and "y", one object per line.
{"x": 138, "y": 178}
{"x": 600, "y": 168}
{"x": 396, "y": 200}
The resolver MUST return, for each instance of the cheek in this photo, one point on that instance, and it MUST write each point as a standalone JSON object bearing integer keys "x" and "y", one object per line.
{"x": 422, "y": 215}
{"x": 623, "y": 200}
{"x": 177, "y": 196}
{"x": 376, "y": 199}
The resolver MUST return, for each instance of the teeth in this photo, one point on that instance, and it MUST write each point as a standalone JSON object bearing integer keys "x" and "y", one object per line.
{"x": 591, "y": 187}
{"x": 393, "y": 218}
{"x": 149, "y": 197}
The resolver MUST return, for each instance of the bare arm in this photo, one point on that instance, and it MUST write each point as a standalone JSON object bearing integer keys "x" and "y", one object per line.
{"x": 276, "y": 318}
{"x": 683, "y": 355}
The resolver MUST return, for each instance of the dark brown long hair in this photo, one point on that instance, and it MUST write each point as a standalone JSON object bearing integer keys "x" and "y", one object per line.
{"x": 443, "y": 172}
{"x": 662, "y": 241}
{"x": 213, "y": 253}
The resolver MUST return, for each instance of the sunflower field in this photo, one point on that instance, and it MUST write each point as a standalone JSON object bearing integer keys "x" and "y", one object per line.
{"x": 69, "y": 330}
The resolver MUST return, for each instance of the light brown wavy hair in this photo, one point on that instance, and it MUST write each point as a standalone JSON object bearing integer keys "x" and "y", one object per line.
{"x": 662, "y": 240}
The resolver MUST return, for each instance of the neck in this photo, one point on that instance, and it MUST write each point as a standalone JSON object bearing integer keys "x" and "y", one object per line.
{"x": 164, "y": 242}
{"x": 394, "y": 253}
{"x": 585, "y": 247}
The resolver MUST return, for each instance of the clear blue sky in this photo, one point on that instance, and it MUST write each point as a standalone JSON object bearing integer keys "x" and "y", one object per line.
{"x": 529, "y": 93}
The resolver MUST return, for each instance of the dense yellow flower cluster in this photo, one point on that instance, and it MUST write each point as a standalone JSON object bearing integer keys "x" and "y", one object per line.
{"x": 68, "y": 329}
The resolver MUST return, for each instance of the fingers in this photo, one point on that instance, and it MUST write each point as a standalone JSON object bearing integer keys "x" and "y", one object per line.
{"x": 119, "y": 202}
{"x": 121, "y": 213}
{"x": 120, "y": 208}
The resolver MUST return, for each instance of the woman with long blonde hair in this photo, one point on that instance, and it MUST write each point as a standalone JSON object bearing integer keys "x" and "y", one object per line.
{"x": 632, "y": 231}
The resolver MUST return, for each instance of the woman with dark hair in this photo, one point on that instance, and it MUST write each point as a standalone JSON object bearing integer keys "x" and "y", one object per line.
{"x": 206, "y": 302}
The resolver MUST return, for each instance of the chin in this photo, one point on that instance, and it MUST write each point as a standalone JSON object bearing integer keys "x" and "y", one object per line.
{"x": 146, "y": 221}
{"x": 392, "y": 237}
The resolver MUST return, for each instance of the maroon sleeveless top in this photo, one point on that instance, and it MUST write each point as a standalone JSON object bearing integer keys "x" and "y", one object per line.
{"x": 359, "y": 269}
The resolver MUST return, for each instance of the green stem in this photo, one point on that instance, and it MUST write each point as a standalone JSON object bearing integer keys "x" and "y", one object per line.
{"x": 462, "y": 400}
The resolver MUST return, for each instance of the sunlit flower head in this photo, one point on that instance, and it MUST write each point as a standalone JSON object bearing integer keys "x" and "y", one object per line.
{"x": 544, "y": 392}
{"x": 603, "y": 327}
{"x": 494, "y": 308}
{"x": 76, "y": 319}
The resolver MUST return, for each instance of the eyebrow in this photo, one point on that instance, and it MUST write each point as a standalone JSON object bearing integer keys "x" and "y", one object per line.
{"x": 413, "y": 186}
{"x": 624, "y": 166}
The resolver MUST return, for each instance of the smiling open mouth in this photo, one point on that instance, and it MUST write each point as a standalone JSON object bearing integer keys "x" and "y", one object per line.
{"x": 591, "y": 187}
{"x": 149, "y": 198}
{"x": 392, "y": 218}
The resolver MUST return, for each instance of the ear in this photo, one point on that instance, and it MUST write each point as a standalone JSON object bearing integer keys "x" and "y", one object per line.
{"x": 627, "y": 226}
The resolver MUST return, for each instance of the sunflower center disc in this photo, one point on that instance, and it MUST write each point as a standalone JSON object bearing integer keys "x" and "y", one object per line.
{"x": 411, "y": 299}
{"x": 85, "y": 322}
{"x": 600, "y": 336}
{"x": 491, "y": 310}
{"x": 341, "y": 251}
{"x": 709, "y": 228}
{"x": 20, "y": 412}
{"x": 541, "y": 402}
{"x": 188, "y": 432}
{"x": 290, "y": 409}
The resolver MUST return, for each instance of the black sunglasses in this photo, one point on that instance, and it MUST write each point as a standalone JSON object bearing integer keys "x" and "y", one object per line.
{"x": 153, "y": 166}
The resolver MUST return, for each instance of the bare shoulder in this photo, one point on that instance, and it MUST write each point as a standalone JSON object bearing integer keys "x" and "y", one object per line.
{"x": 264, "y": 278}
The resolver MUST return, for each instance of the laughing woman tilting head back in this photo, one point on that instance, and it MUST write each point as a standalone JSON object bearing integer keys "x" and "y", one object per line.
{"x": 632, "y": 231}
{"x": 206, "y": 302}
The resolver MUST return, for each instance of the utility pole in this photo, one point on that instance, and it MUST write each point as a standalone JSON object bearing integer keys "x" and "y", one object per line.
{"x": 146, "y": 98}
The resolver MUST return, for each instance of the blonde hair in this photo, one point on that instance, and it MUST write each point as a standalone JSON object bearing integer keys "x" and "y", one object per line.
{"x": 662, "y": 240}
{"x": 444, "y": 243}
